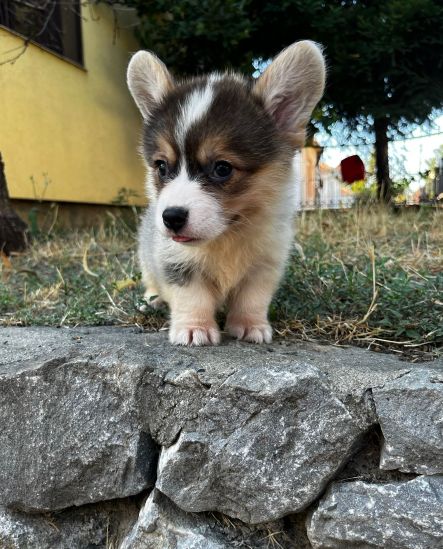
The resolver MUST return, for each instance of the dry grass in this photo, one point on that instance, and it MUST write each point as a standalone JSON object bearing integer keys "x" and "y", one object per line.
{"x": 366, "y": 277}
{"x": 71, "y": 278}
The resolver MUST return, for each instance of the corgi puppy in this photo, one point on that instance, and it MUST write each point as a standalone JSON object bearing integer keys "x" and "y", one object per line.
{"x": 219, "y": 153}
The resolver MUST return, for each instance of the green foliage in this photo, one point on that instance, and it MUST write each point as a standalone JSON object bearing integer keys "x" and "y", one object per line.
{"x": 192, "y": 36}
{"x": 363, "y": 192}
{"x": 385, "y": 56}
{"x": 399, "y": 186}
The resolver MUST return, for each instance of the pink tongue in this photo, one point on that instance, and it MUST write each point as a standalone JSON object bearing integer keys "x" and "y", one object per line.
{"x": 182, "y": 238}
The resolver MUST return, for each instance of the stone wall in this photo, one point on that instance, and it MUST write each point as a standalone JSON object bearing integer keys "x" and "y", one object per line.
{"x": 112, "y": 438}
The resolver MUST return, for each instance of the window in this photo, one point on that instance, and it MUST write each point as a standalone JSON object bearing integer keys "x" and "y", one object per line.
{"x": 54, "y": 24}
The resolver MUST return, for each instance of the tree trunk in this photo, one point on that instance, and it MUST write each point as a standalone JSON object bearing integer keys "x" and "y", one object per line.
{"x": 13, "y": 230}
{"x": 4, "y": 195}
{"x": 382, "y": 159}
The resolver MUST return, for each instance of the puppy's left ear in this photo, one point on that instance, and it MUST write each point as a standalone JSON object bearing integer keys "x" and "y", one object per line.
{"x": 291, "y": 87}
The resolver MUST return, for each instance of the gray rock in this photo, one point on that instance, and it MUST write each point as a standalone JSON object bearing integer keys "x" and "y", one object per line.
{"x": 100, "y": 525}
{"x": 410, "y": 412}
{"x": 398, "y": 515}
{"x": 70, "y": 433}
{"x": 365, "y": 464}
{"x": 253, "y": 431}
{"x": 263, "y": 444}
{"x": 163, "y": 525}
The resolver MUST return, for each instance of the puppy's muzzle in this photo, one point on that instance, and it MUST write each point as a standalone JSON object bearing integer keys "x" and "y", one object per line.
{"x": 175, "y": 218}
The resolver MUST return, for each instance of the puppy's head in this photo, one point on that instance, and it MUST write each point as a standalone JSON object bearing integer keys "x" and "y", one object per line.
{"x": 220, "y": 147}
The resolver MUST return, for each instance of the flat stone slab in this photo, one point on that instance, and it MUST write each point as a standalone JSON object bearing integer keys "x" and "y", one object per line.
{"x": 395, "y": 515}
{"x": 255, "y": 432}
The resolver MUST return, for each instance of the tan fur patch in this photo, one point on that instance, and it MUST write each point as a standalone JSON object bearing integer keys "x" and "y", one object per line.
{"x": 251, "y": 195}
{"x": 165, "y": 151}
{"x": 253, "y": 208}
{"x": 216, "y": 148}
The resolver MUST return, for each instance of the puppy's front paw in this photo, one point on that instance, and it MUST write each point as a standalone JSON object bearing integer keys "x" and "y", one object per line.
{"x": 249, "y": 330}
{"x": 181, "y": 334}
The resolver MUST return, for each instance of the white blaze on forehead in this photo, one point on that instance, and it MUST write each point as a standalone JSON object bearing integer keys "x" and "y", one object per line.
{"x": 195, "y": 107}
{"x": 215, "y": 77}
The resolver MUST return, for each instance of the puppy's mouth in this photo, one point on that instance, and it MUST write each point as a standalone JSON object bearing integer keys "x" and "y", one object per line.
{"x": 184, "y": 239}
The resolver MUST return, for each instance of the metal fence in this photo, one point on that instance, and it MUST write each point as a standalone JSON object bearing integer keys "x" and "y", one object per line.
{"x": 319, "y": 186}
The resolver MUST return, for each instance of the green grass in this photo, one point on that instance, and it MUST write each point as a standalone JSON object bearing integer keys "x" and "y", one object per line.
{"x": 73, "y": 278}
{"x": 365, "y": 276}
{"x": 368, "y": 277}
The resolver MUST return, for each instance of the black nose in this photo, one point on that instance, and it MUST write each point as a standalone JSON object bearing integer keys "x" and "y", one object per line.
{"x": 175, "y": 218}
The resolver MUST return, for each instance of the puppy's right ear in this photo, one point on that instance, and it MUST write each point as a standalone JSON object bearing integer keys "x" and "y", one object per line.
{"x": 148, "y": 81}
{"x": 291, "y": 87}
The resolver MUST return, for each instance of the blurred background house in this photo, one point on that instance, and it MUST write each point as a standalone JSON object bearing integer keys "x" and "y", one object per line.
{"x": 69, "y": 128}
{"x": 321, "y": 185}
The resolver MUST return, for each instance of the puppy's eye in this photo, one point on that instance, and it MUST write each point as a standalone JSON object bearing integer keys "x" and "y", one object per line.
{"x": 222, "y": 170}
{"x": 162, "y": 168}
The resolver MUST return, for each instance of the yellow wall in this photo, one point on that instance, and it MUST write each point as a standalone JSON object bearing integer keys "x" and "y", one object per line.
{"x": 75, "y": 128}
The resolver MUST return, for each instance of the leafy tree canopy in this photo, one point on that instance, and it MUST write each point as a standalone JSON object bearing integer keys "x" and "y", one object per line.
{"x": 385, "y": 57}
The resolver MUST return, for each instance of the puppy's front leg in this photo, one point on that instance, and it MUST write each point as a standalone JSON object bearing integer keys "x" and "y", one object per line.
{"x": 152, "y": 295}
{"x": 248, "y": 307}
{"x": 192, "y": 315}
